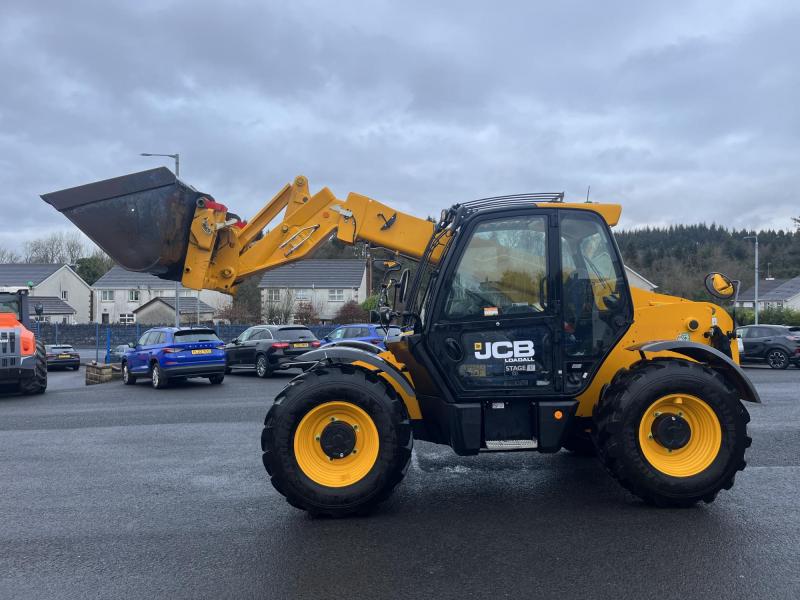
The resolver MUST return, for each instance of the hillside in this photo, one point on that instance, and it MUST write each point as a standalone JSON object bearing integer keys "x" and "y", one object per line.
{"x": 678, "y": 257}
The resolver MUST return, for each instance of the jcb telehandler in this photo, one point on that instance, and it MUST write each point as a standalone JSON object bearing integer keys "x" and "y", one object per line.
{"x": 521, "y": 333}
{"x": 23, "y": 361}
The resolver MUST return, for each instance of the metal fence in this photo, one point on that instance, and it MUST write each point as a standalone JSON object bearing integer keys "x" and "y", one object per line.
{"x": 102, "y": 337}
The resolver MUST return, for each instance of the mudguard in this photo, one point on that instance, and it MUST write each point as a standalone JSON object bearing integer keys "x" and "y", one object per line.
{"x": 705, "y": 354}
{"x": 347, "y": 354}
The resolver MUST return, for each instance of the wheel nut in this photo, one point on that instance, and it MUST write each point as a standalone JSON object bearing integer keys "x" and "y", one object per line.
{"x": 355, "y": 451}
{"x": 333, "y": 419}
{"x": 649, "y": 436}
{"x": 316, "y": 438}
{"x": 657, "y": 414}
{"x": 355, "y": 427}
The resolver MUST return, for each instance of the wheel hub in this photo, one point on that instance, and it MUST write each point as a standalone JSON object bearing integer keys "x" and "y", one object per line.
{"x": 671, "y": 431}
{"x": 338, "y": 439}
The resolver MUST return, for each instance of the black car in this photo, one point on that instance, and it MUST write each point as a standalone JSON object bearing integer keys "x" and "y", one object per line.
{"x": 266, "y": 347}
{"x": 62, "y": 356}
{"x": 776, "y": 345}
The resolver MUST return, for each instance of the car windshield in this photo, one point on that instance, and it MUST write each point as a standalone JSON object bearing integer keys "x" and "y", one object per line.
{"x": 295, "y": 333}
{"x": 59, "y": 348}
{"x": 196, "y": 335}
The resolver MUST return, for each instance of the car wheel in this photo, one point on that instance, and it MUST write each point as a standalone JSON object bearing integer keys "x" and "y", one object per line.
{"x": 777, "y": 359}
{"x": 127, "y": 378}
{"x": 216, "y": 379}
{"x": 158, "y": 379}
{"x": 262, "y": 367}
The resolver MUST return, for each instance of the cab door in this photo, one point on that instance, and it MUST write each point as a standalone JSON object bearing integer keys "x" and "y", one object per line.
{"x": 493, "y": 328}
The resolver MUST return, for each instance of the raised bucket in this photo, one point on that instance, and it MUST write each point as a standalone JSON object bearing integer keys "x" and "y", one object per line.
{"x": 141, "y": 220}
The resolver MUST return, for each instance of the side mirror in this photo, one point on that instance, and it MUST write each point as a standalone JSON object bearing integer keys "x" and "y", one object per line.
{"x": 719, "y": 286}
{"x": 403, "y": 286}
{"x": 131, "y": 345}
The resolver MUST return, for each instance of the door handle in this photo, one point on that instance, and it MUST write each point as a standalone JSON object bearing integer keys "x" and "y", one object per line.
{"x": 453, "y": 349}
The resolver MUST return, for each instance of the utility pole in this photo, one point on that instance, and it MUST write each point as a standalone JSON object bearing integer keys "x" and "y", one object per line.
{"x": 177, "y": 158}
{"x": 754, "y": 237}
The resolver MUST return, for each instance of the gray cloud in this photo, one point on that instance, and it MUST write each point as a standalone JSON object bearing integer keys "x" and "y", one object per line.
{"x": 683, "y": 113}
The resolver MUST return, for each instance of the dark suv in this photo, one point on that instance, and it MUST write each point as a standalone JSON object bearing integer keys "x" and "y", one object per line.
{"x": 266, "y": 347}
{"x": 776, "y": 345}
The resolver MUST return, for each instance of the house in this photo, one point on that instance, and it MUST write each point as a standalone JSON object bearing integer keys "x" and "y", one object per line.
{"x": 772, "y": 293}
{"x": 53, "y": 310}
{"x": 325, "y": 283}
{"x": 638, "y": 280}
{"x": 118, "y": 293}
{"x": 161, "y": 310}
{"x": 50, "y": 281}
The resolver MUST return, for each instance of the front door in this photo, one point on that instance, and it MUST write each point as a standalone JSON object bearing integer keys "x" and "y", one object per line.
{"x": 494, "y": 320}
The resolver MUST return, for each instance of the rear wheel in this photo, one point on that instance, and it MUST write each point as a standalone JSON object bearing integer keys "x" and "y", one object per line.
{"x": 38, "y": 383}
{"x": 262, "y": 366}
{"x": 157, "y": 377}
{"x": 336, "y": 441}
{"x": 127, "y": 377}
{"x": 216, "y": 379}
{"x": 672, "y": 432}
{"x": 777, "y": 359}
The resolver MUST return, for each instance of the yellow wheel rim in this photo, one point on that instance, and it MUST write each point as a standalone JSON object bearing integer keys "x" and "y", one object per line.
{"x": 704, "y": 442}
{"x": 336, "y": 472}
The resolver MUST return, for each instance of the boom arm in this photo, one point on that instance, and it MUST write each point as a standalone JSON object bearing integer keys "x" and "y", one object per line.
{"x": 220, "y": 254}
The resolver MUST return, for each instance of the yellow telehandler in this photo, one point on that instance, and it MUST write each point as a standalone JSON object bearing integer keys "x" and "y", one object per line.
{"x": 520, "y": 332}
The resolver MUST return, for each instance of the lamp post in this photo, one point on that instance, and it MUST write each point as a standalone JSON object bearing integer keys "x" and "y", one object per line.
{"x": 754, "y": 237}
{"x": 177, "y": 158}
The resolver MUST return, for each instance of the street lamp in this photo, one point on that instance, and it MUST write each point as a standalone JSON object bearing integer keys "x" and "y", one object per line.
{"x": 755, "y": 238}
{"x": 177, "y": 158}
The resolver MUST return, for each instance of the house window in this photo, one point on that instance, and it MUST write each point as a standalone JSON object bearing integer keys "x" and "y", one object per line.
{"x": 107, "y": 295}
{"x": 133, "y": 295}
{"x": 127, "y": 318}
{"x": 104, "y": 318}
{"x": 335, "y": 295}
{"x": 64, "y": 295}
{"x": 302, "y": 295}
{"x": 273, "y": 295}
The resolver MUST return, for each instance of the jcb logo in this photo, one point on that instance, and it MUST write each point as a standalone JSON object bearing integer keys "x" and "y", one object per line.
{"x": 519, "y": 349}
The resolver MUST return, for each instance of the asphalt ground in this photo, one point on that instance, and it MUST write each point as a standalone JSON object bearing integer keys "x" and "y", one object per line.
{"x": 110, "y": 491}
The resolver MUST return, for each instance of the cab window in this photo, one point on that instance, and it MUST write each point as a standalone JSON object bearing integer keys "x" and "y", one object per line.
{"x": 596, "y": 306}
{"x": 503, "y": 270}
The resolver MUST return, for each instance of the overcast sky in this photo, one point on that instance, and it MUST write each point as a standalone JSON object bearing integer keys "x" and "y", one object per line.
{"x": 683, "y": 112}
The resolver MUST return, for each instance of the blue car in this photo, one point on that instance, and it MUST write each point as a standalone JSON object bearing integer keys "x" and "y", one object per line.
{"x": 361, "y": 332}
{"x": 169, "y": 353}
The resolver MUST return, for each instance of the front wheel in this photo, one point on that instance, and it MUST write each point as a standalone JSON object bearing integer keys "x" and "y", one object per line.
{"x": 777, "y": 359}
{"x": 127, "y": 378}
{"x": 671, "y": 431}
{"x": 336, "y": 441}
{"x": 38, "y": 383}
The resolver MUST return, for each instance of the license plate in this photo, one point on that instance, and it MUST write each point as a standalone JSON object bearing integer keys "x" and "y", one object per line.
{"x": 64, "y": 356}
{"x": 301, "y": 345}
{"x": 205, "y": 351}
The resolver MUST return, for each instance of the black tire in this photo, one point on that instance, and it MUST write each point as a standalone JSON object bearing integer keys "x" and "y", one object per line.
{"x": 127, "y": 377}
{"x": 157, "y": 378}
{"x": 624, "y": 403}
{"x": 311, "y": 389}
{"x": 262, "y": 367}
{"x": 38, "y": 383}
{"x": 777, "y": 359}
{"x": 579, "y": 442}
{"x": 216, "y": 379}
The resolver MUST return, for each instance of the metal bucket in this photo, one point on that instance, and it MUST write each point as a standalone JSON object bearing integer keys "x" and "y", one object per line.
{"x": 141, "y": 220}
